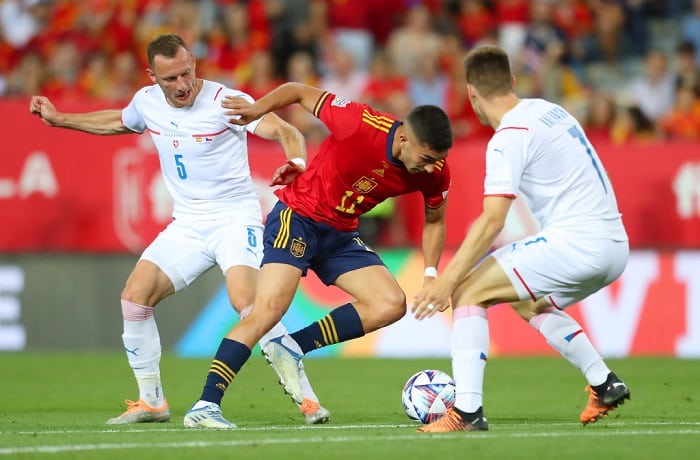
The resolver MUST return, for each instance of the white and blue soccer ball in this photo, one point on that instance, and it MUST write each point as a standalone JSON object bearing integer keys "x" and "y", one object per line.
{"x": 427, "y": 395}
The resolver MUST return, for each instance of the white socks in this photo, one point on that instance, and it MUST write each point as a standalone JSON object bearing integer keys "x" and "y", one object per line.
{"x": 143, "y": 350}
{"x": 566, "y": 336}
{"x": 470, "y": 345}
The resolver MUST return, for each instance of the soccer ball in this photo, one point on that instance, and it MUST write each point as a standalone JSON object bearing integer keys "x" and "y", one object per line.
{"x": 427, "y": 395}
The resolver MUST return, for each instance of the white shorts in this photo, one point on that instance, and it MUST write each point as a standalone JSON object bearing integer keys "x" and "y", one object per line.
{"x": 561, "y": 266}
{"x": 186, "y": 249}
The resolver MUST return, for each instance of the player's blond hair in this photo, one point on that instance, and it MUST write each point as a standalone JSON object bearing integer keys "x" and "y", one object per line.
{"x": 487, "y": 68}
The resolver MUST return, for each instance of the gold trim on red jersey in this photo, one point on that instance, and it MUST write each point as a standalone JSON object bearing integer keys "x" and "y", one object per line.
{"x": 380, "y": 122}
{"x": 319, "y": 103}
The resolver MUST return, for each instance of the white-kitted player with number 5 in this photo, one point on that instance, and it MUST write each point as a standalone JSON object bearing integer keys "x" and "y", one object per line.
{"x": 217, "y": 217}
{"x": 540, "y": 153}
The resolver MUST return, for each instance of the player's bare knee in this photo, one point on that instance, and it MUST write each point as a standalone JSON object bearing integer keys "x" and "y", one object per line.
{"x": 272, "y": 312}
{"x": 393, "y": 306}
{"x": 130, "y": 295}
{"x": 241, "y": 302}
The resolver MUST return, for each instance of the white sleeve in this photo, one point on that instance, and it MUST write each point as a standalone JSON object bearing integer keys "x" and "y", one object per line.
{"x": 504, "y": 163}
{"x": 131, "y": 117}
{"x": 250, "y": 127}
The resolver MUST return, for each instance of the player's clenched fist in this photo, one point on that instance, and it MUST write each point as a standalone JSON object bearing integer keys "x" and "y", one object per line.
{"x": 42, "y": 106}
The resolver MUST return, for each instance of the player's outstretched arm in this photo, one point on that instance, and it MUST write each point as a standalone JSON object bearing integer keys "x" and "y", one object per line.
{"x": 435, "y": 297}
{"x": 242, "y": 112}
{"x": 293, "y": 143}
{"x": 103, "y": 122}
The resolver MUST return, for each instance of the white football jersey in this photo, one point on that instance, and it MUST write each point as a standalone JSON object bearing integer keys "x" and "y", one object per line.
{"x": 540, "y": 153}
{"x": 203, "y": 158}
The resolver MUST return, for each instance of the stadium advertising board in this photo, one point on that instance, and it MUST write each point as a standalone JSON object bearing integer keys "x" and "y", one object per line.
{"x": 70, "y": 191}
{"x": 653, "y": 309}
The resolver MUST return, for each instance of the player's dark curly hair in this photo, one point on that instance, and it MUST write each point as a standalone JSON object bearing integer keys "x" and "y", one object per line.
{"x": 431, "y": 126}
{"x": 165, "y": 45}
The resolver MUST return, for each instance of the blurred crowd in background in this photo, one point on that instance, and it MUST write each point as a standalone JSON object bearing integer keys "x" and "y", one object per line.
{"x": 628, "y": 69}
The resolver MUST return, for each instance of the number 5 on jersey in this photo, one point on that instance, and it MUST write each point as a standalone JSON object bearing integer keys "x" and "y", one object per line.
{"x": 181, "y": 171}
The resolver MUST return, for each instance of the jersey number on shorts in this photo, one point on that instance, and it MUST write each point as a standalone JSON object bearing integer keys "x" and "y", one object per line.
{"x": 181, "y": 171}
{"x": 252, "y": 239}
{"x": 577, "y": 134}
{"x": 347, "y": 204}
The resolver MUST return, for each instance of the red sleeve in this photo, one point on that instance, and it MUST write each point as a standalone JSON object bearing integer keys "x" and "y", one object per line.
{"x": 436, "y": 194}
{"x": 342, "y": 117}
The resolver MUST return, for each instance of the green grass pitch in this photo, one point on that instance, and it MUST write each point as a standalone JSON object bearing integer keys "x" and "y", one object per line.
{"x": 54, "y": 405}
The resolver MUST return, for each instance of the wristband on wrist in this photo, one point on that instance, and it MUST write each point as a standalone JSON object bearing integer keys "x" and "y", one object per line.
{"x": 299, "y": 162}
{"x": 430, "y": 271}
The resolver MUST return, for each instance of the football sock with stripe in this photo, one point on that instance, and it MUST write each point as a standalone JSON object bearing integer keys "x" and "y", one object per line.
{"x": 340, "y": 325}
{"x": 229, "y": 359}
{"x": 566, "y": 336}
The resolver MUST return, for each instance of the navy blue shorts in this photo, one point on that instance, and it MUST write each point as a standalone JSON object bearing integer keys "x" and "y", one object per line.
{"x": 295, "y": 240}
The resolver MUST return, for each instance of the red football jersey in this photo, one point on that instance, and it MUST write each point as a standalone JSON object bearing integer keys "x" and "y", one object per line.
{"x": 354, "y": 170}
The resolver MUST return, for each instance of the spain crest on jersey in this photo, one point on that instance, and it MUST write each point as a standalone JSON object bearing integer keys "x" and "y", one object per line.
{"x": 297, "y": 248}
{"x": 364, "y": 185}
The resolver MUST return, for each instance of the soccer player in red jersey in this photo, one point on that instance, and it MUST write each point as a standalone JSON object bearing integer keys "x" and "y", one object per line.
{"x": 368, "y": 157}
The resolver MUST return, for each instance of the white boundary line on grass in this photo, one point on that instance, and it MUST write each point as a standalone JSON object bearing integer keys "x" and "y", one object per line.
{"x": 610, "y": 424}
{"x": 52, "y": 449}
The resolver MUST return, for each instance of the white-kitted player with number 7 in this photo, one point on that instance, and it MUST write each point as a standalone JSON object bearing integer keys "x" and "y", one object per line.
{"x": 217, "y": 217}
{"x": 540, "y": 153}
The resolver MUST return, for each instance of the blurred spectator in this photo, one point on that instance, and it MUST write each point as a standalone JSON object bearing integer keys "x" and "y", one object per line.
{"x": 600, "y": 116}
{"x": 118, "y": 36}
{"x": 27, "y": 78}
{"x": 609, "y": 22}
{"x": 636, "y": 28}
{"x": 63, "y": 66}
{"x": 426, "y": 83}
{"x": 263, "y": 76}
{"x": 575, "y": 18}
{"x": 21, "y": 20}
{"x": 416, "y": 38}
{"x": 687, "y": 71}
{"x": 126, "y": 77}
{"x": 632, "y": 126}
{"x": 654, "y": 91}
{"x": 343, "y": 77}
{"x": 301, "y": 68}
{"x": 386, "y": 90}
{"x": 95, "y": 80}
{"x": 295, "y": 25}
{"x": 385, "y": 16}
{"x": 512, "y": 17}
{"x": 683, "y": 121}
{"x": 474, "y": 20}
{"x": 67, "y": 48}
{"x": 347, "y": 27}
{"x": 540, "y": 63}
{"x": 690, "y": 29}
{"x": 232, "y": 44}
